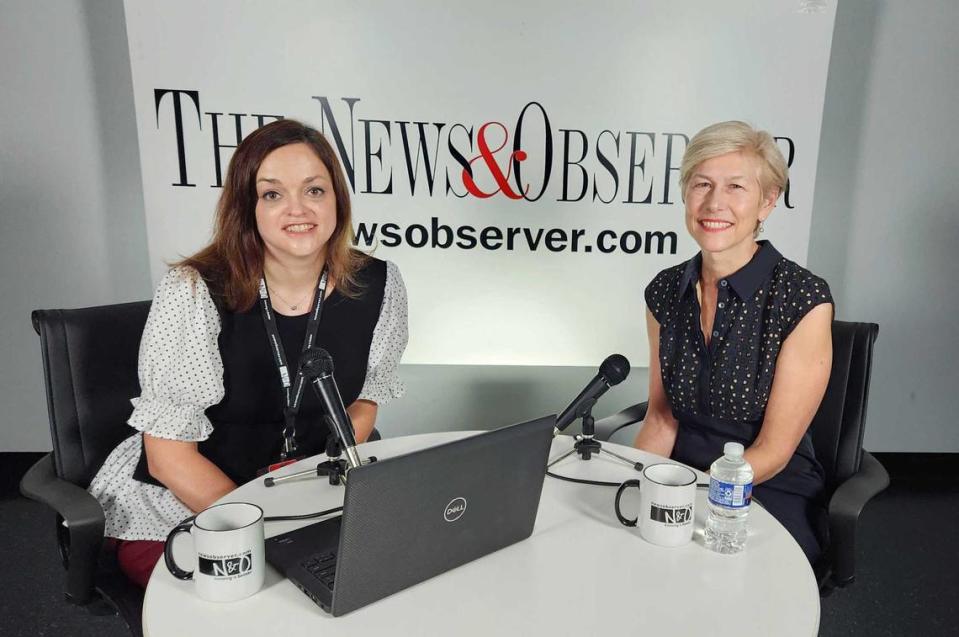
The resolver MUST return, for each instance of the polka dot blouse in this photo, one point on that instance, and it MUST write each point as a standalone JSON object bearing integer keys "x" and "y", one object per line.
{"x": 181, "y": 376}
{"x": 757, "y": 308}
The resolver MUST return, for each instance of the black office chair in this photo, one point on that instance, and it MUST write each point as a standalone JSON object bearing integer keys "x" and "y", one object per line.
{"x": 853, "y": 475}
{"x": 90, "y": 369}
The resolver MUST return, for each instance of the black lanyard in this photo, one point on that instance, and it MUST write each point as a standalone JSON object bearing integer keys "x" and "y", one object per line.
{"x": 293, "y": 390}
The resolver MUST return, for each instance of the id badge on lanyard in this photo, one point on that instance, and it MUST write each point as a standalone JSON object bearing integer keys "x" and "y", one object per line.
{"x": 291, "y": 380}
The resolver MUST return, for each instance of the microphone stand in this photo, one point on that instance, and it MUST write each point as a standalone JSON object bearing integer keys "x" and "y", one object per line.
{"x": 335, "y": 467}
{"x": 586, "y": 444}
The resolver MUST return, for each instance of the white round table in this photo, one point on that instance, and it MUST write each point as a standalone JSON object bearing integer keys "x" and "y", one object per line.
{"x": 580, "y": 573}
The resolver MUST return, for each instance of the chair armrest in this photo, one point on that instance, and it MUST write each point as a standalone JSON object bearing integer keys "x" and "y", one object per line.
{"x": 845, "y": 506}
{"x": 84, "y": 519}
{"x": 606, "y": 427}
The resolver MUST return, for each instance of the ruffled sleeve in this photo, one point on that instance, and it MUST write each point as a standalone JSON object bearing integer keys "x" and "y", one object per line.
{"x": 181, "y": 373}
{"x": 390, "y": 337}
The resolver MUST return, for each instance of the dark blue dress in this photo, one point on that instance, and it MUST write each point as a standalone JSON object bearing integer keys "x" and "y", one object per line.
{"x": 718, "y": 393}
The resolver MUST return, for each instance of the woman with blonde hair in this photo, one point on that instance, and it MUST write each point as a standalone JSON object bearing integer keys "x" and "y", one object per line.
{"x": 221, "y": 398}
{"x": 740, "y": 336}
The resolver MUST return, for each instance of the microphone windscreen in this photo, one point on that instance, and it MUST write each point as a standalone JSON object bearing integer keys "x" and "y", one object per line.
{"x": 316, "y": 362}
{"x": 614, "y": 369}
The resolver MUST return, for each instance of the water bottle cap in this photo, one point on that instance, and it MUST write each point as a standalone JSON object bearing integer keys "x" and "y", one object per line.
{"x": 734, "y": 449}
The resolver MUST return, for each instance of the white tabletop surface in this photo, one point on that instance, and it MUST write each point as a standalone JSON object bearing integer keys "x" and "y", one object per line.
{"x": 580, "y": 573}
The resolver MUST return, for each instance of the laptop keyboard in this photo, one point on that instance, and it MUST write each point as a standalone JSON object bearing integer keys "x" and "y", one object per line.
{"x": 323, "y": 567}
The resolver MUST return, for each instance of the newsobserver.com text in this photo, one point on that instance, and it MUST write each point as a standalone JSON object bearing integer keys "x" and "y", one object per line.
{"x": 438, "y": 235}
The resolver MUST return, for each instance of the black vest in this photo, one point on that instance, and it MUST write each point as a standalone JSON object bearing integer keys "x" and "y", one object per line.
{"x": 248, "y": 422}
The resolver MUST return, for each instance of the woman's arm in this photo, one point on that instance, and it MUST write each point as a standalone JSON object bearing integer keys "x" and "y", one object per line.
{"x": 197, "y": 482}
{"x": 182, "y": 469}
{"x": 658, "y": 431}
{"x": 390, "y": 337}
{"x": 363, "y": 414}
{"x": 181, "y": 375}
{"x": 802, "y": 372}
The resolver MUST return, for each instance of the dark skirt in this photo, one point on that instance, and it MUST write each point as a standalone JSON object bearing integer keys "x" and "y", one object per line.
{"x": 804, "y": 518}
{"x": 793, "y": 496}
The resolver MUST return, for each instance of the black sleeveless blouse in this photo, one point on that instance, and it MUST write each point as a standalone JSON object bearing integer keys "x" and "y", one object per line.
{"x": 248, "y": 422}
{"x": 718, "y": 393}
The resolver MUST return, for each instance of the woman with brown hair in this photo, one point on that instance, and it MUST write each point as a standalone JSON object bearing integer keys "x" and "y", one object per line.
{"x": 221, "y": 398}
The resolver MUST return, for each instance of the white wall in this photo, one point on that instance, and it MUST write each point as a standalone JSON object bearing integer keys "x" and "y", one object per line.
{"x": 885, "y": 222}
{"x": 886, "y": 213}
{"x": 71, "y": 209}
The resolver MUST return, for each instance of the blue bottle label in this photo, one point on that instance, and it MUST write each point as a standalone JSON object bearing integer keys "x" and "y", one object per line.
{"x": 729, "y": 495}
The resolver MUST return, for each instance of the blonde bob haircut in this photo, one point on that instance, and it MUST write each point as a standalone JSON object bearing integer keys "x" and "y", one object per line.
{"x": 731, "y": 137}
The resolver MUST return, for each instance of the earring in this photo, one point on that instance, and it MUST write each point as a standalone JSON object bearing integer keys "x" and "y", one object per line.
{"x": 762, "y": 225}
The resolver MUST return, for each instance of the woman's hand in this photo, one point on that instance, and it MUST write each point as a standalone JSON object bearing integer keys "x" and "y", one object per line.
{"x": 802, "y": 373}
{"x": 363, "y": 414}
{"x": 181, "y": 468}
{"x": 658, "y": 431}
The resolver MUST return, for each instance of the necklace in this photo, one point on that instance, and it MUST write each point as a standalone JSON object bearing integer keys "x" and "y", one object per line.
{"x": 293, "y": 306}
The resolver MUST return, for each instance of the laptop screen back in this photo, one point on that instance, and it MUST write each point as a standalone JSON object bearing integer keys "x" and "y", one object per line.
{"x": 412, "y": 517}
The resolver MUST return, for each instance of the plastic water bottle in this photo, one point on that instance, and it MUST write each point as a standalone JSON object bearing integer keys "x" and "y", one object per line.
{"x": 730, "y": 491}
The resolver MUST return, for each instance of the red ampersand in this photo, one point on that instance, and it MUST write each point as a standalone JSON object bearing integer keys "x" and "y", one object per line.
{"x": 487, "y": 155}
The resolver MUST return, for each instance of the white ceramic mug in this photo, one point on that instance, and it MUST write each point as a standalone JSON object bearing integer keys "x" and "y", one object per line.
{"x": 228, "y": 543}
{"x": 667, "y": 504}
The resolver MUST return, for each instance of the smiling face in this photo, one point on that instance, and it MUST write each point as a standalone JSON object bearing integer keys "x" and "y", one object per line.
{"x": 725, "y": 202}
{"x": 295, "y": 204}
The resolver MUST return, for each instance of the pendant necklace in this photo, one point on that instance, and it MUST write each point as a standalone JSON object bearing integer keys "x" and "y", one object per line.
{"x": 293, "y": 306}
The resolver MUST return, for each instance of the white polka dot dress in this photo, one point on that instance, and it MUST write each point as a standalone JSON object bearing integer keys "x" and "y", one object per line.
{"x": 390, "y": 337}
{"x": 181, "y": 376}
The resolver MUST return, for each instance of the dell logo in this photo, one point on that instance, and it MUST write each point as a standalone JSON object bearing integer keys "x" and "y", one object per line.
{"x": 455, "y": 509}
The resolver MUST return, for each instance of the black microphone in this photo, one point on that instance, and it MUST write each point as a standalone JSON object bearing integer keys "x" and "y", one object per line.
{"x": 612, "y": 371}
{"x": 316, "y": 365}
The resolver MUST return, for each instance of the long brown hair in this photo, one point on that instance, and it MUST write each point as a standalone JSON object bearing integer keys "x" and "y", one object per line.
{"x": 233, "y": 261}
